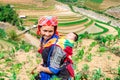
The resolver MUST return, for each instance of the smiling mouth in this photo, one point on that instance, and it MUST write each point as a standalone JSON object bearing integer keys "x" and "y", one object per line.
{"x": 46, "y": 37}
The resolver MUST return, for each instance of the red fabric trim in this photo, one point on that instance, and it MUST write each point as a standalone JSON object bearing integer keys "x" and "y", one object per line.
{"x": 40, "y": 51}
{"x": 68, "y": 50}
{"x": 70, "y": 70}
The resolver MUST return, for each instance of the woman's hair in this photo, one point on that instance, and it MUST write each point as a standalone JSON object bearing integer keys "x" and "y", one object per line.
{"x": 55, "y": 29}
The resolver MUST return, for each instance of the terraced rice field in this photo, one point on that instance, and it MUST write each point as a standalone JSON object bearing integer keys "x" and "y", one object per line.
{"x": 92, "y": 28}
{"x": 115, "y": 11}
{"x": 111, "y": 30}
{"x": 63, "y": 13}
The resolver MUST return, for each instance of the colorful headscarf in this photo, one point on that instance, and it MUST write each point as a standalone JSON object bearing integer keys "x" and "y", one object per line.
{"x": 47, "y": 21}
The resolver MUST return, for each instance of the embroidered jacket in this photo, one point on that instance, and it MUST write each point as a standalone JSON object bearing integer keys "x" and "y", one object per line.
{"x": 56, "y": 56}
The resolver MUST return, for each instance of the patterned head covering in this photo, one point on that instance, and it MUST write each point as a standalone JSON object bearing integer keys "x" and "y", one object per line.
{"x": 47, "y": 21}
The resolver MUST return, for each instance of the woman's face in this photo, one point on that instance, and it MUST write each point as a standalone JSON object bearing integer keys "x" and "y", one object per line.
{"x": 47, "y": 32}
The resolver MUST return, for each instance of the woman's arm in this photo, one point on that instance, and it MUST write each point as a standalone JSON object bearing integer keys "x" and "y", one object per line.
{"x": 40, "y": 68}
{"x": 55, "y": 60}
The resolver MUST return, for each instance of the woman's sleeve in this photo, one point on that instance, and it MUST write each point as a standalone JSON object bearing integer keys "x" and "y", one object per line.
{"x": 55, "y": 59}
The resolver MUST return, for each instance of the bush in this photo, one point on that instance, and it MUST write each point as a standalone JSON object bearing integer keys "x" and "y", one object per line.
{"x": 97, "y": 74}
{"x": 25, "y": 46}
{"x": 21, "y": 28}
{"x": 103, "y": 49}
{"x": 117, "y": 78}
{"x": 115, "y": 50}
{"x": 12, "y": 35}
{"x": 101, "y": 39}
{"x": 2, "y": 33}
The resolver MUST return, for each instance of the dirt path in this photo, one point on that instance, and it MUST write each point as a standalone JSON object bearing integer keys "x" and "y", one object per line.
{"x": 32, "y": 40}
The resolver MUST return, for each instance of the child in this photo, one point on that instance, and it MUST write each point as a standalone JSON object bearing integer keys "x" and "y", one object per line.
{"x": 67, "y": 44}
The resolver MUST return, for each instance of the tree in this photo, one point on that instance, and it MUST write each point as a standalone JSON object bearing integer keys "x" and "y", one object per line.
{"x": 8, "y": 14}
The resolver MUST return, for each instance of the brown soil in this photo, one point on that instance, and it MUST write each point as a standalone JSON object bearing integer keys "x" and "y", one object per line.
{"x": 29, "y": 60}
{"x": 106, "y": 61}
{"x": 108, "y": 3}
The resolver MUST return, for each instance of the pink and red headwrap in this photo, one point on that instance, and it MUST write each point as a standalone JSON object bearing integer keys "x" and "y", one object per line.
{"x": 47, "y": 21}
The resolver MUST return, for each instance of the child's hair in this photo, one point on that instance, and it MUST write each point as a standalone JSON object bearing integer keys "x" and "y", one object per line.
{"x": 76, "y": 36}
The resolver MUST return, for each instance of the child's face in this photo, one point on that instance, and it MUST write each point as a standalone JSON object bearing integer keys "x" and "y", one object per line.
{"x": 71, "y": 36}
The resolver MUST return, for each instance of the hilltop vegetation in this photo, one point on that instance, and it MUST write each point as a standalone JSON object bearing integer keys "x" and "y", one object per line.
{"x": 8, "y": 14}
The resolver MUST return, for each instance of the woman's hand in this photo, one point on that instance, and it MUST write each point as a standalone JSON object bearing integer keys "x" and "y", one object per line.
{"x": 39, "y": 68}
{"x": 33, "y": 71}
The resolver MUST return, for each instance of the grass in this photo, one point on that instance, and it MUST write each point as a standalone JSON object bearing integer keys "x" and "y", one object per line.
{"x": 32, "y": 7}
{"x": 25, "y": 6}
{"x": 89, "y": 23}
{"x": 5, "y": 44}
{"x": 33, "y": 20}
{"x": 104, "y": 29}
{"x": 115, "y": 27}
{"x": 73, "y": 22}
{"x": 29, "y": 6}
{"x": 68, "y": 18}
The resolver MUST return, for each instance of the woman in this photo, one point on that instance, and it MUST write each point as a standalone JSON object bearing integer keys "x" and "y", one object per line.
{"x": 52, "y": 54}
